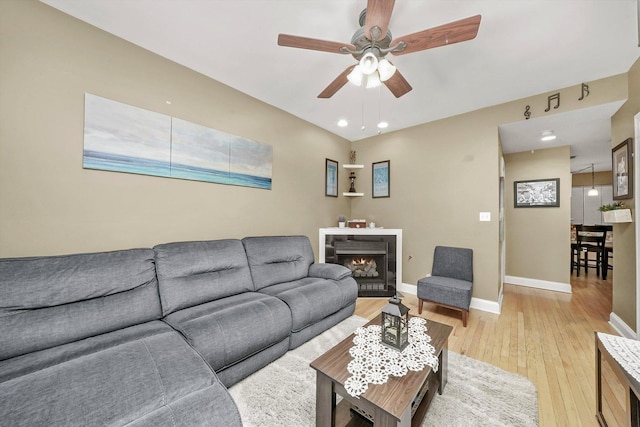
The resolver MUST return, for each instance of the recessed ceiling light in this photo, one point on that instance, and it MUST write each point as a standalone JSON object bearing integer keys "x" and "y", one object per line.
{"x": 168, "y": 102}
{"x": 547, "y": 135}
{"x": 383, "y": 125}
{"x": 342, "y": 123}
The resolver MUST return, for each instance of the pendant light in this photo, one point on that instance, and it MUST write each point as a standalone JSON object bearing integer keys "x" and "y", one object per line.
{"x": 594, "y": 190}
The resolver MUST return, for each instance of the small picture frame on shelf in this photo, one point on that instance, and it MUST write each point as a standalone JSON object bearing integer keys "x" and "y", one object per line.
{"x": 331, "y": 178}
{"x": 380, "y": 179}
{"x": 622, "y": 170}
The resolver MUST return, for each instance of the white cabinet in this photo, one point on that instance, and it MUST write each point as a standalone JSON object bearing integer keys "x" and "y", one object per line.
{"x": 585, "y": 208}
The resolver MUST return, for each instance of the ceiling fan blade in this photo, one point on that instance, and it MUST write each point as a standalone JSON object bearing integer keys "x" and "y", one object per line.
{"x": 378, "y": 15}
{"x": 337, "y": 84}
{"x": 453, "y": 32}
{"x": 398, "y": 85}
{"x": 312, "y": 44}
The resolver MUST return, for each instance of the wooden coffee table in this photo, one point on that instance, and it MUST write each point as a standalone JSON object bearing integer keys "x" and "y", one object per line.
{"x": 389, "y": 404}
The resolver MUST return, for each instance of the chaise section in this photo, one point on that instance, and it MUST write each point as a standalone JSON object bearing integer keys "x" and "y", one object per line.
{"x": 207, "y": 295}
{"x": 81, "y": 345}
{"x": 318, "y": 295}
{"x": 146, "y": 375}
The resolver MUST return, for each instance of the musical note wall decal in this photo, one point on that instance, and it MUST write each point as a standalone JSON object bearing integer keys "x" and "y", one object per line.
{"x": 556, "y": 97}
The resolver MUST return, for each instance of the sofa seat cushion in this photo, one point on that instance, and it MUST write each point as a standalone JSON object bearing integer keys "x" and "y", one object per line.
{"x": 312, "y": 299}
{"x": 229, "y": 330}
{"x": 145, "y": 375}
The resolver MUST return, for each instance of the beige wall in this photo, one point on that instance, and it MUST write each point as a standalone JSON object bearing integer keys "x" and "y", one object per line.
{"x": 625, "y": 258}
{"x": 538, "y": 239}
{"x": 49, "y": 204}
{"x": 444, "y": 173}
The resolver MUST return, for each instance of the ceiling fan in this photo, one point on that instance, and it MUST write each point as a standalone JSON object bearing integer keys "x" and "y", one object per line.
{"x": 373, "y": 41}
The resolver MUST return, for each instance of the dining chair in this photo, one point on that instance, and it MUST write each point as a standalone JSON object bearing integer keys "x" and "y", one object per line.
{"x": 590, "y": 239}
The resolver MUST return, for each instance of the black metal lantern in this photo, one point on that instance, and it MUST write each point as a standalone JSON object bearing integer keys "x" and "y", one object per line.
{"x": 395, "y": 324}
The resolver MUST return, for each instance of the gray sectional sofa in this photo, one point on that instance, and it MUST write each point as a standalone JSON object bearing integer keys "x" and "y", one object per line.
{"x": 153, "y": 337}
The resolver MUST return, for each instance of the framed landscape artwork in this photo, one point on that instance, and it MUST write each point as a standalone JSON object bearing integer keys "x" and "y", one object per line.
{"x": 537, "y": 193}
{"x": 380, "y": 176}
{"x": 123, "y": 138}
{"x": 622, "y": 168}
{"x": 331, "y": 178}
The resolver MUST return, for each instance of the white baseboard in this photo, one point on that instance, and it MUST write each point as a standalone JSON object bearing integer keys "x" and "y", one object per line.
{"x": 486, "y": 305}
{"x": 408, "y": 289}
{"x": 476, "y": 303}
{"x": 539, "y": 284}
{"x": 621, "y": 327}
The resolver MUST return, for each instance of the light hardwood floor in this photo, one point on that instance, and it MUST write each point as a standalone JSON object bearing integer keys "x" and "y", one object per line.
{"x": 543, "y": 335}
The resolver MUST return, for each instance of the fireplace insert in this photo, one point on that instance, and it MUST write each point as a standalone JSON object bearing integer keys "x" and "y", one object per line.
{"x": 369, "y": 264}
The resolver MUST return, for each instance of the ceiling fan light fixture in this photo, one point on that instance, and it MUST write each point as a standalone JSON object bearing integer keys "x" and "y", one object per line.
{"x": 368, "y": 63}
{"x": 373, "y": 81}
{"x": 386, "y": 70}
{"x": 355, "y": 76}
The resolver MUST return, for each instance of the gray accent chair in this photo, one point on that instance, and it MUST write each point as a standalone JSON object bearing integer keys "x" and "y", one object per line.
{"x": 451, "y": 282}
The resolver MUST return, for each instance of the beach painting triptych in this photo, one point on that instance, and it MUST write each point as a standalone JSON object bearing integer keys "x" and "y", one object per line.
{"x": 123, "y": 138}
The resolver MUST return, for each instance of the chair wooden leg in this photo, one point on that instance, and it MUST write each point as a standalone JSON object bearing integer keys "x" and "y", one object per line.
{"x": 419, "y": 306}
{"x": 464, "y": 318}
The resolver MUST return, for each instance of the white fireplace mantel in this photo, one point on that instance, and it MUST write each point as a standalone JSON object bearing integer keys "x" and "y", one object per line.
{"x": 346, "y": 231}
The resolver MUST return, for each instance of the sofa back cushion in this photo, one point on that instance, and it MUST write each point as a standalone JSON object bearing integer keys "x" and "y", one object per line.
{"x": 49, "y": 301}
{"x": 193, "y": 273}
{"x": 278, "y": 259}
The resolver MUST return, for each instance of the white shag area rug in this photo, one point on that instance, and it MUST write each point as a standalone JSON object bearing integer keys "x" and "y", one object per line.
{"x": 476, "y": 394}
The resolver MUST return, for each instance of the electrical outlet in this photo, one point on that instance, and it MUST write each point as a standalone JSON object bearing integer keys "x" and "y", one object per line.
{"x": 485, "y": 216}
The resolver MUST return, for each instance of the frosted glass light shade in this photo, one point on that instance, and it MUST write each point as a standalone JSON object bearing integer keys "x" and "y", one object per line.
{"x": 368, "y": 63}
{"x": 386, "y": 69}
{"x": 373, "y": 80}
{"x": 355, "y": 76}
{"x": 592, "y": 192}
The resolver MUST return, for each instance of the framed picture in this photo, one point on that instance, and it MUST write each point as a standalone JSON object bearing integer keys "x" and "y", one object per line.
{"x": 331, "y": 178}
{"x": 622, "y": 168}
{"x": 537, "y": 193}
{"x": 380, "y": 178}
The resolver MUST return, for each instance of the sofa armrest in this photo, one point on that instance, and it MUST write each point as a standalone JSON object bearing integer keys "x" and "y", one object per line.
{"x": 329, "y": 271}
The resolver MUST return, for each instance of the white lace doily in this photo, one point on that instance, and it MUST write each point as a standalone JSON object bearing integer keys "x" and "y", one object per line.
{"x": 373, "y": 362}
{"x": 625, "y": 351}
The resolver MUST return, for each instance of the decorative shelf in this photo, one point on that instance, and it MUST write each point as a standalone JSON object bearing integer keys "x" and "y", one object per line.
{"x": 353, "y": 194}
{"x": 617, "y": 215}
{"x": 351, "y": 166}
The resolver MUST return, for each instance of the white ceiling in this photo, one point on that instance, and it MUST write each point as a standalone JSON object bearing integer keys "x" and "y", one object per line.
{"x": 523, "y": 48}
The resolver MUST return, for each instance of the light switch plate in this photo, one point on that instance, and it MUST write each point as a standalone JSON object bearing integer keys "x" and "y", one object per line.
{"x": 485, "y": 216}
